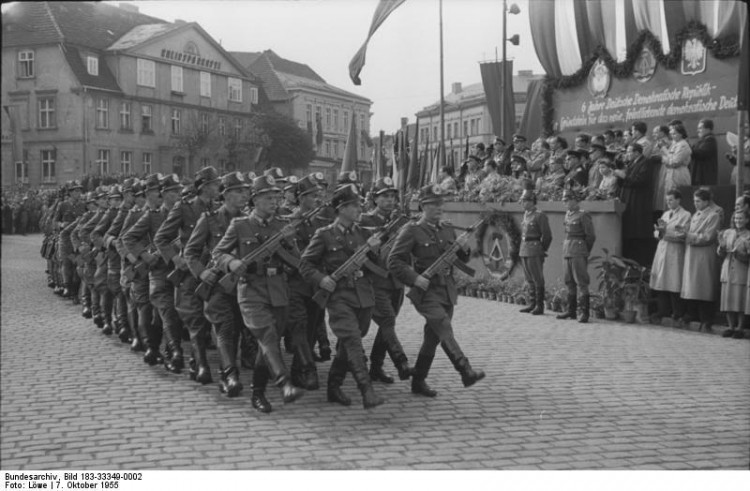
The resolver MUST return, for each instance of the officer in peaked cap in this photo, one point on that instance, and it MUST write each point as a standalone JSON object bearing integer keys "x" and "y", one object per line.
{"x": 351, "y": 300}
{"x": 127, "y": 184}
{"x": 518, "y": 165}
{"x": 577, "y": 174}
{"x": 170, "y": 182}
{"x": 418, "y": 246}
{"x": 389, "y": 294}
{"x": 536, "y": 238}
{"x": 290, "y": 200}
{"x": 577, "y": 245}
{"x": 262, "y": 291}
{"x": 276, "y": 173}
{"x": 173, "y": 233}
{"x": 348, "y": 177}
{"x": 220, "y": 307}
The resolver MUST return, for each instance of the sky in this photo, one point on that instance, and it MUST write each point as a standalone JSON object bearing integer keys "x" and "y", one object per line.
{"x": 402, "y": 72}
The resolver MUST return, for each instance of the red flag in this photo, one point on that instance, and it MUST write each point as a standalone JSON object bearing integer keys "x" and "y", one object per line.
{"x": 350, "y": 152}
{"x": 413, "y": 175}
{"x": 382, "y": 11}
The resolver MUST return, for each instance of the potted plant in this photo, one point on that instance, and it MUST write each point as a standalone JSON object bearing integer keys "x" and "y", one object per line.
{"x": 596, "y": 306}
{"x": 635, "y": 291}
{"x": 611, "y": 271}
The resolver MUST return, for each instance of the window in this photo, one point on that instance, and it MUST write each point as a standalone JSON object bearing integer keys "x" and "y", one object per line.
{"x": 126, "y": 162}
{"x": 146, "y": 163}
{"x": 434, "y": 133}
{"x": 318, "y": 112}
{"x": 361, "y": 150}
{"x": 253, "y": 95}
{"x": 473, "y": 127}
{"x": 448, "y": 130}
{"x": 479, "y": 125}
{"x": 309, "y": 113}
{"x": 102, "y": 113}
{"x": 205, "y": 84}
{"x": 176, "y": 121}
{"x": 47, "y": 112}
{"x": 335, "y": 148}
{"x": 102, "y": 161}
{"x": 22, "y": 172}
{"x": 346, "y": 120}
{"x": 222, "y": 126}
{"x": 466, "y": 128}
{"x": 455, "y": 129}
{"x": 335, "y": 120}
{"x": 146, "y": 118}
{"x": 235, "y": 89}
{"x": 223, "y": 166}
{"x": 328, "y": 148}
{"x": 92, "y": 65}
{"x": 125, "y": 120}
{"x": 204, "y": 123}
{"x": 237, "y": 128}
{"x": 205, "y": 162}
{"x": 176, "y": 78}
{"x": 328, "y": 118}
{"x": 48, "y": 165}
{"x": 26, "y": 64}
{"x": 362, "y": 122}
{"x": 146, "y": 73}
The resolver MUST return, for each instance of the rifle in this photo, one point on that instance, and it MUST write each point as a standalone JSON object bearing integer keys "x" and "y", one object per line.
{"x": 268, "y": 249}
{"x": 447, "y": 259}
{"x": 386, "y": 248}
{"x": 203, "y": 290}
{"x": 359, "y": 259}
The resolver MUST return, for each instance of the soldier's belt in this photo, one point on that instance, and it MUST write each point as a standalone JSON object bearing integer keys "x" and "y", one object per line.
{"x": 263, "y": 271}
{"x": 575, "y": 237}
{"x": 531, "y": 239}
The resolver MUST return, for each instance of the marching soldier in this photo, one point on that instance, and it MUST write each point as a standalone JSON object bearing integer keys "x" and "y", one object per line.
{"x": 180, "y": 223}
{"x": 74, "y": 251}
{"x": 352, "y": 299}
{"x": 389, "y": 293}
{"x": 424, "y": 242}
{"x": 221, "y": 308}
{"x": 304, "y": 314}
{"x": 290, "y": 200}
{"x": 579, "y": 240}
{"x": 106, "y": 296}
{"x": 138, "y": 242}
{"x": 536, "y": 238}
{"x": 68, "y": 211}
{"x": 262, "y": 291}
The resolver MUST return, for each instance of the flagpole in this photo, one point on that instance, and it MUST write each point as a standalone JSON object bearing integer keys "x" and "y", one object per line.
{"x": 441, "y": 155}
{"x": 502, "y": 74}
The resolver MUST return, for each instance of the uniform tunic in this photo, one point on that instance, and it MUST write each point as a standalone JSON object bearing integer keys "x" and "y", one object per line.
{"x": 579, "y": 240}
{"x": 666, "y": 271}
{"x": 701, "y": 262}
{"x": 536, "y": 238}
{"x": 736, "y": 245}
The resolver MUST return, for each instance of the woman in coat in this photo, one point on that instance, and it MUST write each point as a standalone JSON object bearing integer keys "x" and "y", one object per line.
{"x": 677, "y": 159}
{"x": 701, "y": 267}
{"x": 666, "y": 271}
{"x": 734, "y": 246}
{"x": 658, "y": 158}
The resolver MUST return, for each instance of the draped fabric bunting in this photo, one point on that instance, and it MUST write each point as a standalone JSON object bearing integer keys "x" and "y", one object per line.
{"x": 531, "y": 121}
{"x": 565, "y": 36}
{"x": 382, "y": 11}
{"x": 413, "y": 174}
{"x": 744, "y": 77}
{"x": 542, "y": 17}
{"x": 494, "y": 90}
{"x": 350, "y": 152}
{"x": 649, "y": 15}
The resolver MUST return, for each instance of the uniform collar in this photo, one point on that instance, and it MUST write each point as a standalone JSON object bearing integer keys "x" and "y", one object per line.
{"x": 345, "y": 230}
{"x": 385, "y": 216}
{"x": 431, "y": 225}
{"x": 262, "y": 221}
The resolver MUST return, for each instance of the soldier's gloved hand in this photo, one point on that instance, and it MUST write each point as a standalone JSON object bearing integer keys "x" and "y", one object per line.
{"x": 374, "y": 242}
{"x": 236, "y": 266}
{"x": 288, "y": 231}
{"x": 84, "y": 249}
{"x": 179, "y": 262}
{"x": 328, "y": 284}
{"x": 209, "y": 276}
{"x": 422, "y": 283}
{"x": 462, "y": 240}
{"x": 148, "y": 258}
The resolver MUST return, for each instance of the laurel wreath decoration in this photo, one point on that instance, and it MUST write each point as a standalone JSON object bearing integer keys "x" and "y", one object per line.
{"x": 504, "y": 220}
{"x": 721, "y": 48}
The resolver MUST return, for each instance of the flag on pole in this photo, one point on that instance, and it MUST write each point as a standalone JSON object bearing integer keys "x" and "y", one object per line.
{"x": 413, "y": 179}
{"x": 382, "y": 11}
{"x": 379, "y": 169}
{"x": 350, "y": 152}
{"x": 424, "y": 163}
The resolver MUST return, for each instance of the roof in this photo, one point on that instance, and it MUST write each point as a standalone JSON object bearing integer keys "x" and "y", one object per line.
{"x": 140, "y": 34}
{"x": 280, "y": 75}
{"x": 105, "y": 80}
{"x": 95, "y": 25}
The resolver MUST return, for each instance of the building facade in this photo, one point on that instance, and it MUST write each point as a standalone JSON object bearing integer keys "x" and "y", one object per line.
{"x": 91, "y": 88}
{"x": 324, "y": 111}
{"x": 467, "y": 114}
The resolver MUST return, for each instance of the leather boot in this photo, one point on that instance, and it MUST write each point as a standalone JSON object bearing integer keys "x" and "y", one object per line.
{"x": 248, "y": 349}
{"x": 174, "y": 362}
{"x": 107, "y": 327}
{"x": 572, "y": 311}
{"x": 532, "y": 301}
{"x": 311, "y": 377}
{"x": 584, "y": 306}
{"x": 468, "y": 376}
{"x": 369, "y": 398}
{"x": 539, "y": 308}
{"x": 152, "y": 356}
{"x": 378, "y": 375}
{"x": 200, "y": 372}
{"x": 359, "y": 371}
{"x": 229, "y": 383}
{"x": 419, "y": 374}
{"x": 324, "y": 352}
{"x": 136, "y": 345}
{"x": 403, "y": 368}
{"x": 99, "y": 321}
{"x": 289, "y": 393}
{"x": 260, "y": 381}
{"x": 336, "y": 376}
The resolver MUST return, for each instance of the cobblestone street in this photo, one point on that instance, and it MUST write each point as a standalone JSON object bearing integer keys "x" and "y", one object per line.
{"x": 558, "y": 395}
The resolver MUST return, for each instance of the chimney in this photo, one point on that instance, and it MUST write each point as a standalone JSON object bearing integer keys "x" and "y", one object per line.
{"x": 456, "y": 87}
{"x": 129, "y": 7}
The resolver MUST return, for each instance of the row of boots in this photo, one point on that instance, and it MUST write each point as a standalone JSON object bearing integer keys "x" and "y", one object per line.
{"x": 536, "y": 306}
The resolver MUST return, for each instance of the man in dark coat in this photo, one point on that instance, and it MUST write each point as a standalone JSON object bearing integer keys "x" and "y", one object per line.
{"x": 705, "y": 169}
{"x": 635, "y": 192}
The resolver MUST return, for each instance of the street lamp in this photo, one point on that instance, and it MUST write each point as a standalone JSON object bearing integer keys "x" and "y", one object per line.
{"x": 514, "y": 40}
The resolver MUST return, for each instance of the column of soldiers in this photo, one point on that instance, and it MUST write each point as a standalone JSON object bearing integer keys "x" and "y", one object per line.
{"x": 158, "y": 263}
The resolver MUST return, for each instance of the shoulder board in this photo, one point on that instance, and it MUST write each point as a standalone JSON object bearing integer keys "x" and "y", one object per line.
{"x": 240, "y": 219}
{"x": 446, "y": 223}
{"x": 327, "y": 227}
{"x": 212, "y": 213}
{"x": 283, "y": 218}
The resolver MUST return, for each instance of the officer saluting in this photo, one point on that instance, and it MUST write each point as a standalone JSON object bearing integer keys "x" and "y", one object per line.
{"x": 536, "y": 238}
{"x": 425, "y": 242}
{"x": 579, "y": 240}
{"x": 262, "y": 291}
{"x": 389, "y": 293}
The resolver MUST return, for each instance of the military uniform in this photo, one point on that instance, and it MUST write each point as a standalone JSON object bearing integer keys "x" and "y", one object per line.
{"x": 81, "y": 239}
{"x": 68, "y": 211}
{"x": 101, "y": 276}
{"x": 417, "y": 247}
{"x": 221, "y": 309}
{"x": 262, "y": 293}
{"x": 536, "y": 238}
{"x": 350, "y": 304}
{"x": 389, "y": 297}
{"x": 579, "y": 240}
{"x": 180, "y": 223}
